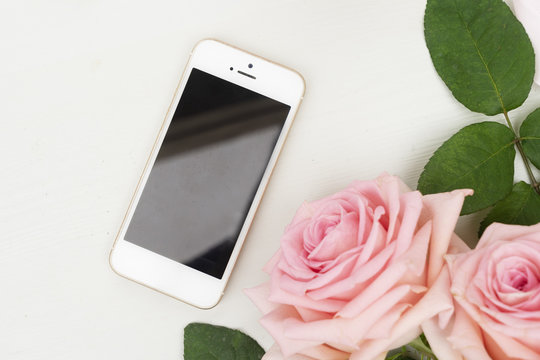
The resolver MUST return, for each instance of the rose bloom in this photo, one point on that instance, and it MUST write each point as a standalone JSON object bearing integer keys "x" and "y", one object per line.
{"x": 528, "y": 12}
{"x": 351, "y": 275}
{"x": 496, "y": 293}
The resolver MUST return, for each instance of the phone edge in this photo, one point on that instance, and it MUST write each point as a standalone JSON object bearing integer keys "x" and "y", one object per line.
{"x": 226, "y": 282}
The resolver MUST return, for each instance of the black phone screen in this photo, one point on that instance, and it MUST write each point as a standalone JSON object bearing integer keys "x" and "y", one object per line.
{"x": 206, "y": 173}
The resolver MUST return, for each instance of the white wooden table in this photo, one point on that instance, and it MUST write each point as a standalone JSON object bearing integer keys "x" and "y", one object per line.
{"x": 84, "y": 86}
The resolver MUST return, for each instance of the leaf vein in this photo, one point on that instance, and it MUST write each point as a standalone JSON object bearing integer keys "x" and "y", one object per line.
{"x": 480, "y": 56}
{"x": 451, "y": 185}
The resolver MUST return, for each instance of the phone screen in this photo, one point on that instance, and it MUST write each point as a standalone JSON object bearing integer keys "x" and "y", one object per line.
{"x": 206, "y": 173}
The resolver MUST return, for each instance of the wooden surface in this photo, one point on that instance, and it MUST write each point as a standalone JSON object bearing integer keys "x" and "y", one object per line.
{"x": 84, "y": 88}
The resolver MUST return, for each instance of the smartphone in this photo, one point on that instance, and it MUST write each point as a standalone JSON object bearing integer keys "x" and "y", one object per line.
{"x": 206, "y": 173}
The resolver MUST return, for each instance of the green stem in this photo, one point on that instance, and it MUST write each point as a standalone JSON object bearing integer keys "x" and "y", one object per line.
{"x": 517, "y": 141}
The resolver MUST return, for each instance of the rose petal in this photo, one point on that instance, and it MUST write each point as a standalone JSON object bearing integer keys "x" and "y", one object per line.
{"x": 511, "y": 325}
{"x": 351, "y": 284}
{"x": 274, "y": 322}
{"x": 443, "y": 210}
{"x": 467, "y": 266}
{"x": 412, "y": 262}
{"x": 437, "y": 338}
{"x": 291, "y": 246}
{"x": 372, "y": 292}
{"x": 312, "y": 315}
{"x": 467, "y": 337}
{"x": 383, "y": 327}
{"x": 340, "y": 271}
{"x": 325, "y": 352}
{"x": 439, "y": 291}
{"x": 278, "y": 295}
{"x": 274, "y": 353}
{"x": 504, "y": 232}
{"x": 410, "y": 209}
{"x": 341, "y": 239}
{"x": 390, "y": 191}
{"x": 349, "y": 331}
{"x": 259, "y": 295}
{"x": 416, "y": 255}
{"x": 376, "y": 239}
{"x": 405, "y": 329}
{"x": 272, "y": 263}
{"x": 510, "y": 347}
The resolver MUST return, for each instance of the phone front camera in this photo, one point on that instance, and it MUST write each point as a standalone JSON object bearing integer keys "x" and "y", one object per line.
{"x": 250, "y": 66}
{"x": 231, "y": 68}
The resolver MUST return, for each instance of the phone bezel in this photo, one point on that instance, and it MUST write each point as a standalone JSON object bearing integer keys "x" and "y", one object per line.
{"x": 166, "y": 275}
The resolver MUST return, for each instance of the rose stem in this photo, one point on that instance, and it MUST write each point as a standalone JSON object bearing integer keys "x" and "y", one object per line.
{"x": 517, "y": 141}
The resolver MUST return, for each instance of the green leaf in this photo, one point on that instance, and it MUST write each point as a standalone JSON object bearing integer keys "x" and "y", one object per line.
{"x": 400, "y": 356}
{"x": 419, "y": 344}
{"x": 209, "y": 342}
{"x": 521, "y": 207}
{"x": 422, "y": 350}
{"x": 530, "y": 134}
{"x": 481, "y": 51}
{"x": 478, "y": 157}
{"x": 418, "y": 349}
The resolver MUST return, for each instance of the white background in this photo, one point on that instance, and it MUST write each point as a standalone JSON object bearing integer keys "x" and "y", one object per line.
{"x": 84, "y": 87}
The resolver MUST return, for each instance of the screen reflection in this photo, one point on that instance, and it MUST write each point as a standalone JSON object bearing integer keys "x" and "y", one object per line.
{"x": 206, "y": 173}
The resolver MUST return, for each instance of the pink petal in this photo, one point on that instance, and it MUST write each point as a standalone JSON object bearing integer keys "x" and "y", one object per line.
{"x": 325, "y": 352}
{"x": 292, "y": 250}
{"x": 387, "y": 279}
{"x": 503, "y": 232}
{"x": 410, "y": 208}
{"x": 275, "y": 321}
{"x": 467, "y": 337}
{"x": 349, "y": 331}
{"x": 511, "y": 347}
{"x": 274, "y": 353}
{"x": 372, "y": 349}
{"x": 341, "y": 271}
{"x": 272, "y": 263}
{"x": 390, "y": 191}
{"x": 383, "y": 327}
{"x": 375, "y": 239}
{"x": 364, "y": 221}
{"x": 259, "y": 296}
{"x": 339, "y": 240}
{"x": 306, "y": 211}
{"x": 358, "y": 276}
{"x": 468, "y": 267}
{"x": 368, "y": 189}
{"x": 438, "y": 341}
{"x": 408, "y": 326}
{"x": 440, "y": 291}
{"x": 416, "y": 256}
{"x": 443, "y": 210}
{"x": 309, "y": 315}
{"x": 278, "y": 295}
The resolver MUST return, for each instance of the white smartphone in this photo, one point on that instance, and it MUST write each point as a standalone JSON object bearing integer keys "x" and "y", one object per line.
{"x": 206, "y": 174}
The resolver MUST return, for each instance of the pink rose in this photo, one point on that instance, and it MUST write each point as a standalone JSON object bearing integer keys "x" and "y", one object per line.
{"x": 528, "y": 12}
{"x": 496, "y": 288}
{"x": 350, "y": 276}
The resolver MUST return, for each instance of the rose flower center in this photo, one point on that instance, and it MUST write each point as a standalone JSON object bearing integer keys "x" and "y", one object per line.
{"x": 519, "y": 282}
{"x": 520, "y": 277}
